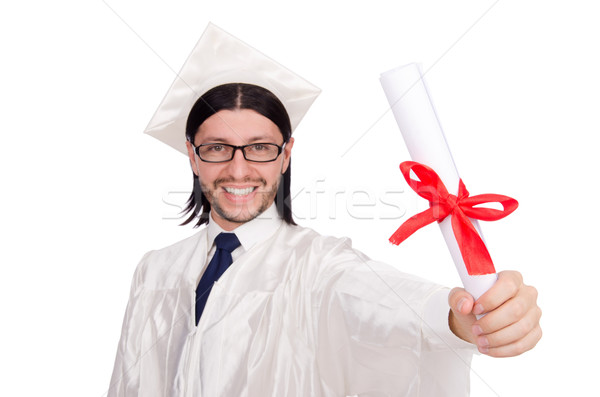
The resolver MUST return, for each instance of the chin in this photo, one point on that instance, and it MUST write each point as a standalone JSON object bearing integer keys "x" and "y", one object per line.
{"x": 240, "y": 210}
{"x": 241, "y": 214}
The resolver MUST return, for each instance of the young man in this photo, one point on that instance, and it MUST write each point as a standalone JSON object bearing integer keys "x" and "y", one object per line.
{"x": 293, "y": 313}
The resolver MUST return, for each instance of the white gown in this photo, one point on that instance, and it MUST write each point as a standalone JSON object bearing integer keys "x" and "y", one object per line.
{"x": 297, "y": 315}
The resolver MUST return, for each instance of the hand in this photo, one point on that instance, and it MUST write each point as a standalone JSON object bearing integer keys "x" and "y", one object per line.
{"x": 511, "y": 324}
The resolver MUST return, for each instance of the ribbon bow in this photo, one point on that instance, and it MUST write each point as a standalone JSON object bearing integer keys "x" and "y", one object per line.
{"x": 441, "y": 204}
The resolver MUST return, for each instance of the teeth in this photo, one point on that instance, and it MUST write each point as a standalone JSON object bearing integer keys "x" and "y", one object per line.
{"x": 239, "y": 192}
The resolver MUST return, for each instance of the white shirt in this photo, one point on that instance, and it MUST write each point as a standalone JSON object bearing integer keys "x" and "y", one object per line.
{"x": 249, "y": 234}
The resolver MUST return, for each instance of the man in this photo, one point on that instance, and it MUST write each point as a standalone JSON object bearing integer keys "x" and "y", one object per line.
{"x": 293, "y": 313}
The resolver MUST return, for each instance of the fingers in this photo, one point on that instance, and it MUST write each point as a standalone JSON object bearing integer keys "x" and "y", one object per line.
{"x": 511, "y": 311}
{"x": 518, "y": 347}
{"x": 514, "y": 332}
{"x": 511, "y": 324}
{"x": 510, "y": 327}
{"x": 508, "y": 285}
{"x": 517, "y": 337}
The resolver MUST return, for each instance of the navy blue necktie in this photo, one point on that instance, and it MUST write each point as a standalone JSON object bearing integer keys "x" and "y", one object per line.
{"x": 226, "y": 243}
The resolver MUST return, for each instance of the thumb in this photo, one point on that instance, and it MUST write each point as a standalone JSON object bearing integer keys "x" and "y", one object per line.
{"x": 461, "y": 319}
{"x": 460, "y": 301}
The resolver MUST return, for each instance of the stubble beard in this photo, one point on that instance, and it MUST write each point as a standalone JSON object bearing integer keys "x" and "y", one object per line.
{"x": 242, "y": 213}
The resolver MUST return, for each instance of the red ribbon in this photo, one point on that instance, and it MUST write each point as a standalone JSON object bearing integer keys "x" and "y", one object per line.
{"x": 461, "y": 207}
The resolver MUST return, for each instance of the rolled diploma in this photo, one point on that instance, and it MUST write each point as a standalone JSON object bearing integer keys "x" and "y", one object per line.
{"x": 416, "y": 117}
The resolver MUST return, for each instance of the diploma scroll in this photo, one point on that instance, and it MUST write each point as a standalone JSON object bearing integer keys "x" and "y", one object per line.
{"x": 416, "y": 117}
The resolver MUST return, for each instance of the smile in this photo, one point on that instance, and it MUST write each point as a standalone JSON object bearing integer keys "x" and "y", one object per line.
{"x": 239, "y": 192}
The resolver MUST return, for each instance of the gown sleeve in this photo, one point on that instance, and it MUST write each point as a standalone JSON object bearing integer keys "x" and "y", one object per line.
{"x": 382, "y": 332}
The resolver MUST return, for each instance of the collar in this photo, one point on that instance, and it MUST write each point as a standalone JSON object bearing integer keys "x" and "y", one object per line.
{"x": 250, "y": 233}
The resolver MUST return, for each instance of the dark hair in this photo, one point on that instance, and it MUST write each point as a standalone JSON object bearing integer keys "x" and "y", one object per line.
{"x": 231, "y": 97}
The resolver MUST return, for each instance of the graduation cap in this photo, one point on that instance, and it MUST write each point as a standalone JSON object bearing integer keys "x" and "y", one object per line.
{"x": 220, "y": 58}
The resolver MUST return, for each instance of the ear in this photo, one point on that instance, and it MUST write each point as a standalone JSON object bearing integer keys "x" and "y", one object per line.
{"x": 287, "y": 155}
{"x": 192, "y": 156}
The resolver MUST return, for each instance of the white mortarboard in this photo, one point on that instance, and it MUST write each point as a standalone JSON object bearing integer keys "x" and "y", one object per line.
{"x": 220, "y": 58}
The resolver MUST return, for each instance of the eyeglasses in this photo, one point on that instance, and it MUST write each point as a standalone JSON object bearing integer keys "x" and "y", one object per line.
{"x": 222, "y": 152}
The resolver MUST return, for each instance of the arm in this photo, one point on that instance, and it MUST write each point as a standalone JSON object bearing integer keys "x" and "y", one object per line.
{"x": 511, "y": 324}
{"x": 384, "y": 331}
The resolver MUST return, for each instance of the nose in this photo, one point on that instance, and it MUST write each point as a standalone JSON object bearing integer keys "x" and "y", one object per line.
{"x": 238, "y": 167}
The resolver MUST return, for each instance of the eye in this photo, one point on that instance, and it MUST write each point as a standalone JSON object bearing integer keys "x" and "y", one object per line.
{"x": 259, "y": 147}
{"x": 215, "y": 148}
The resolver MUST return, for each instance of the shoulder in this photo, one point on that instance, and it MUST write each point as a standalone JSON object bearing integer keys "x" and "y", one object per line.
{"x": 308, "y": 241}
{"x": 164, "y": 268}
{"x": 337, "y": 262}
{"x": 178, "y": 250}
{"x": 326, "y": 255}
{"x": 330, "y": 247}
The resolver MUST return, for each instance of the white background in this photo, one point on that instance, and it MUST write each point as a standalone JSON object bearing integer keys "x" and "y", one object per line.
{"x": 85, "y": 194}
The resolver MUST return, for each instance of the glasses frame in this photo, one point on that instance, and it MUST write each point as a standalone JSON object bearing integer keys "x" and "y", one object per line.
{"x": 242, "y": 148}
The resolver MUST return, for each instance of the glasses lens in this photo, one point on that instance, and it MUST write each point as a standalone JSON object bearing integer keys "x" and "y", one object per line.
{"x": 261, "y": 152}
{"x": 215, "y": 152}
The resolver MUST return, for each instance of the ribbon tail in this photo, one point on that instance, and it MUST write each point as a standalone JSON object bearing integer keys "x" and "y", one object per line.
{"x": 472, "y": 248}
{"x": 413, "y": 224}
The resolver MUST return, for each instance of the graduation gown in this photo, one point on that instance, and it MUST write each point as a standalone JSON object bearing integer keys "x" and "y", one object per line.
{"x": 299, "y": 314}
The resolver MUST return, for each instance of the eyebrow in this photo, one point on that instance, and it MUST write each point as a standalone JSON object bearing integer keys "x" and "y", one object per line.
{"x": 256, "y": 138}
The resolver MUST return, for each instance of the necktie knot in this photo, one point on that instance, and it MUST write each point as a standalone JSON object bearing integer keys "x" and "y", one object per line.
{"x": 227, "y": 241}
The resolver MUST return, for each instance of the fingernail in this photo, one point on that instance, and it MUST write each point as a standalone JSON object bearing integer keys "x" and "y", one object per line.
{"x": 483, "y": 342}
{"x": 483, "y": 349}
{"x": 478, "y": 309}
{"x": 460, "y": 305}
{"x": 476, "y": 330}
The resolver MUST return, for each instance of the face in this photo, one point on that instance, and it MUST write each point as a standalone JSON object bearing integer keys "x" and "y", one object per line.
{"x": 239, "y": 190}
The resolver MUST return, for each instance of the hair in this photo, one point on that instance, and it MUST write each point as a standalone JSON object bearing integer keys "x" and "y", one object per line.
{"x": 236, "y": 96}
